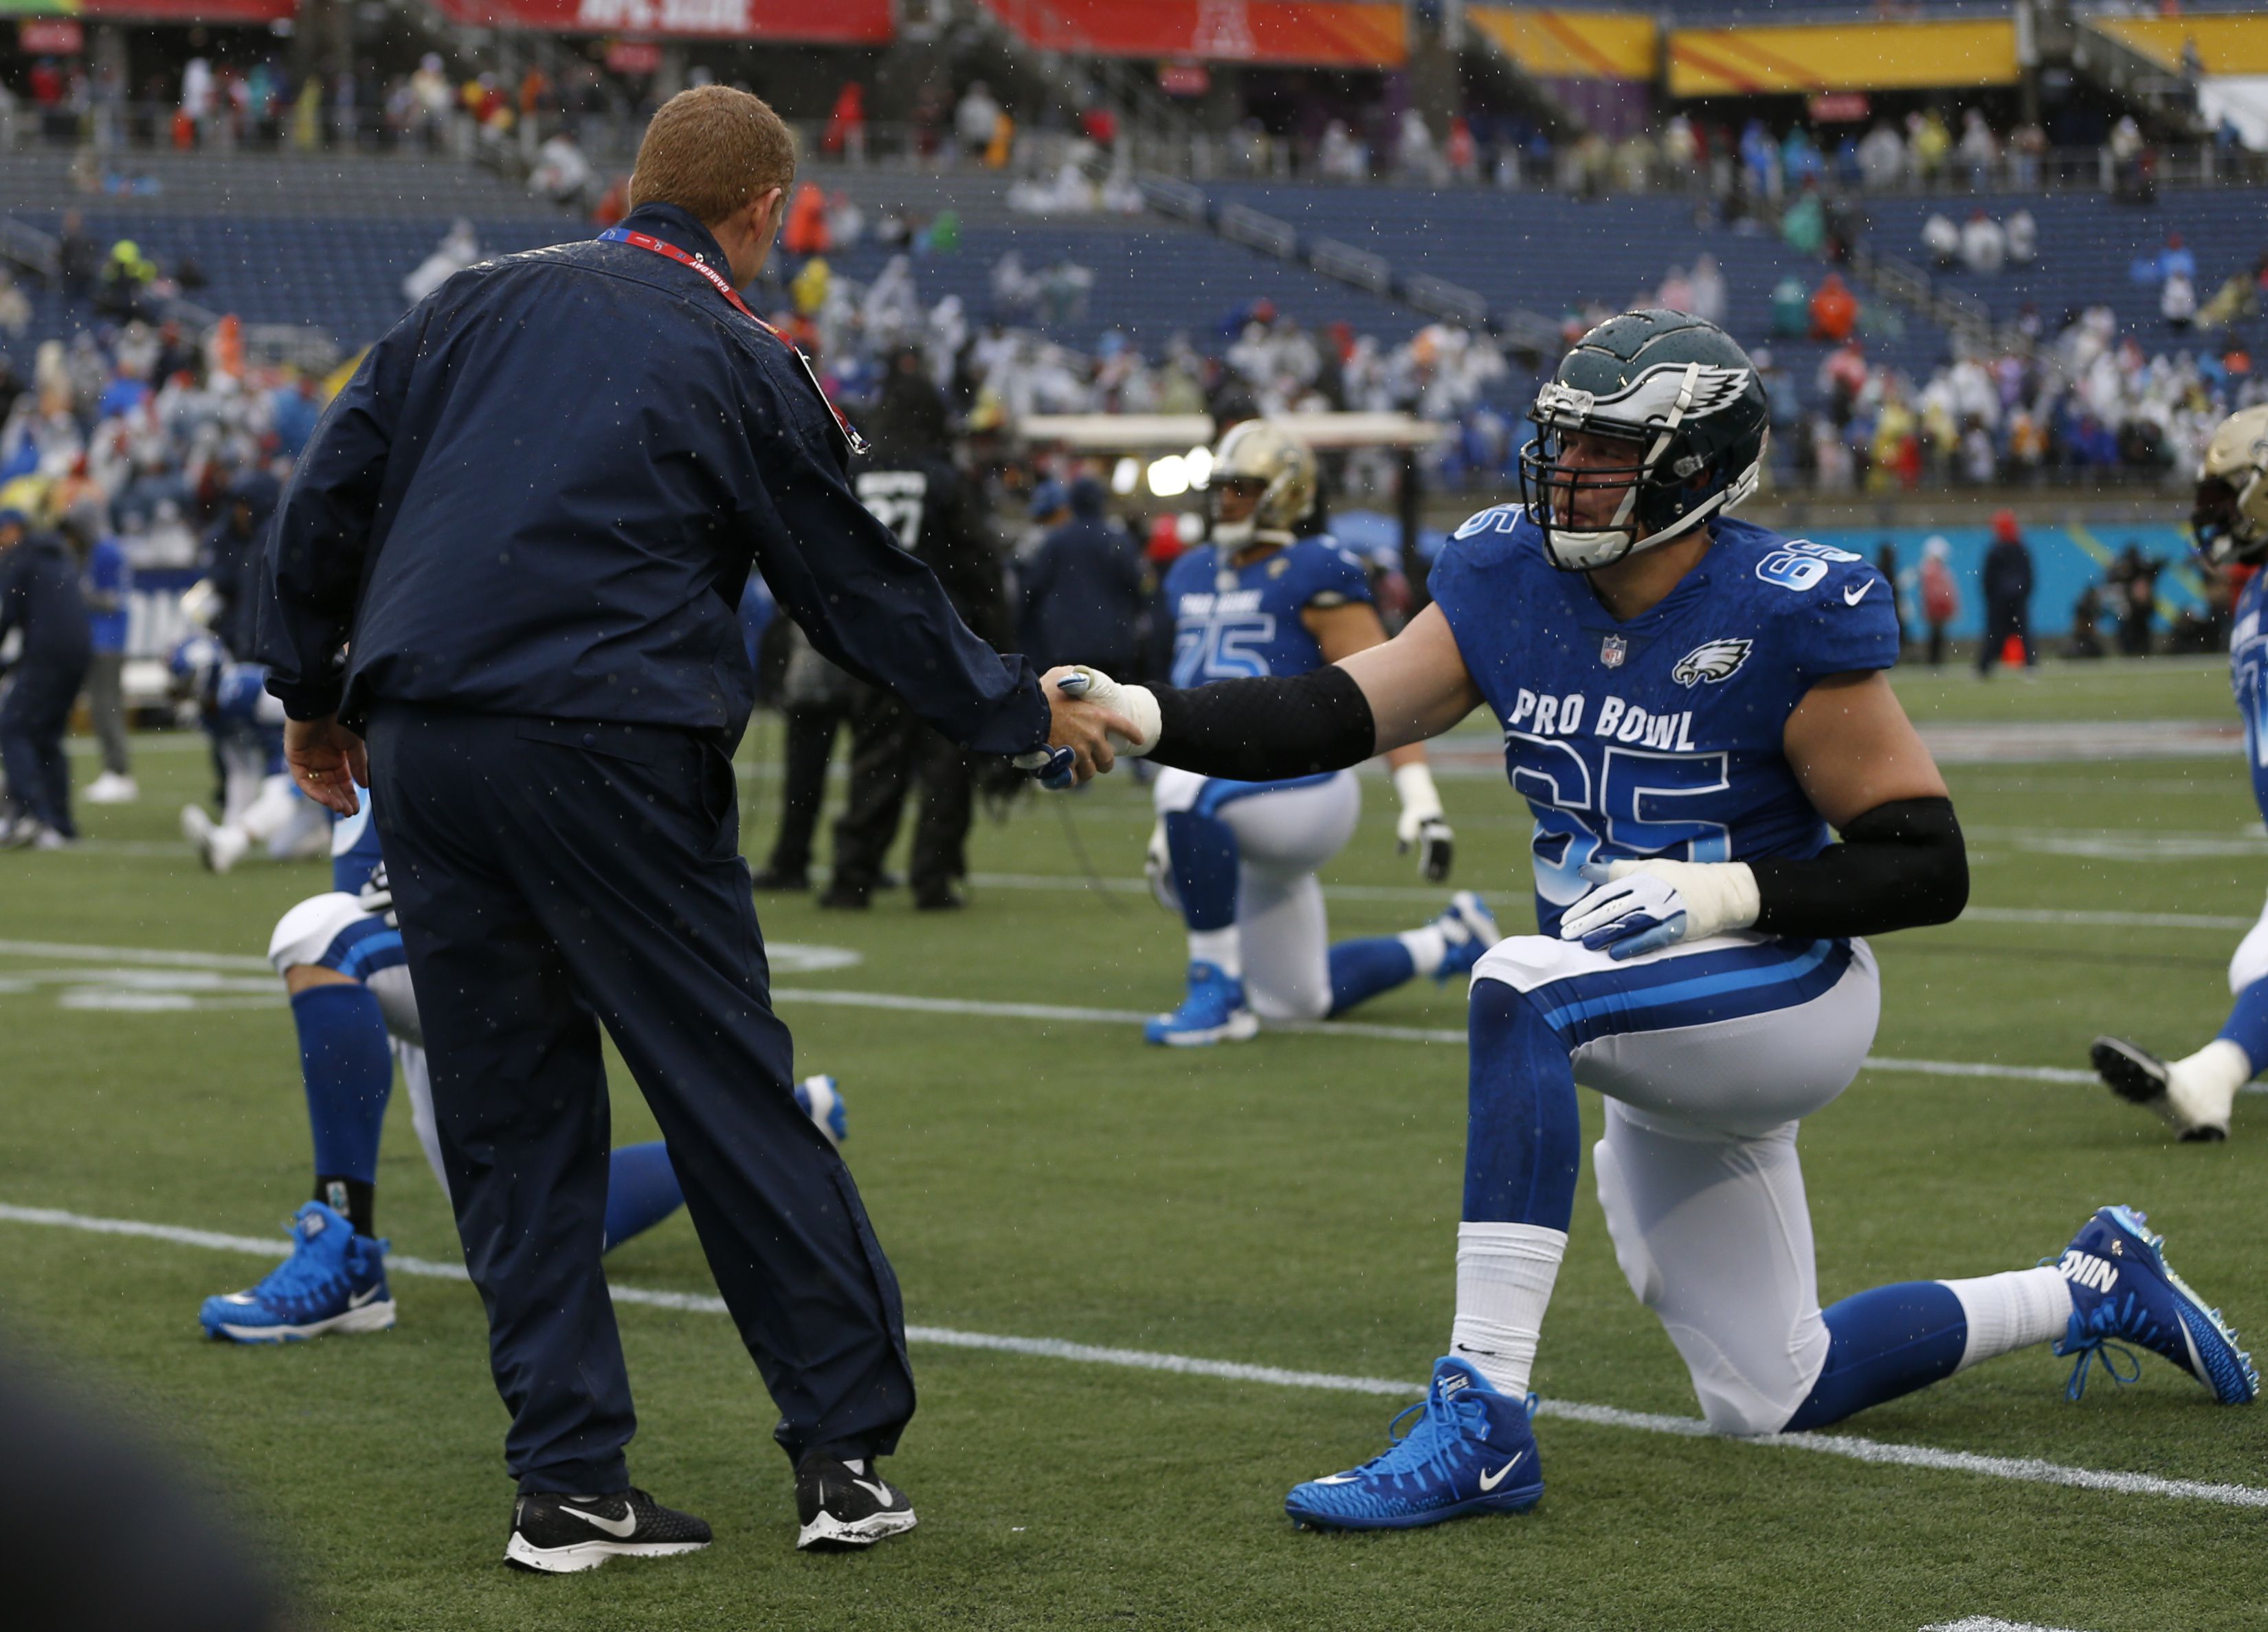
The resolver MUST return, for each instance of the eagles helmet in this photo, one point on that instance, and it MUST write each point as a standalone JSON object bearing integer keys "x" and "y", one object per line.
{"x": 2230, "y": 519}
{"x": 1257, "y": 455}
{"x": 1682, "y": 397}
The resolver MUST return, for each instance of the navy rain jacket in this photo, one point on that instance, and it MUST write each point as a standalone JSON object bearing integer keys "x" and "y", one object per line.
{"x": 41, "y": 595}
{"x": 541, "y": 494}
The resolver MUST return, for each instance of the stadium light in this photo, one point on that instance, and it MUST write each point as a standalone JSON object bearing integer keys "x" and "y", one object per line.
{"x": 1169, "y": 478}
{"x": 1125, "y": 475}
{"x": 1198, "y": 462}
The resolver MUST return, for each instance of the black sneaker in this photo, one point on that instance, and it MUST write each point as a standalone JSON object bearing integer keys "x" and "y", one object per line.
{"x": 845, "y": 898}
{"x": 778, "y": 878}
{"x": 847, "y": 1504}
{"x": 559, "y": 1535}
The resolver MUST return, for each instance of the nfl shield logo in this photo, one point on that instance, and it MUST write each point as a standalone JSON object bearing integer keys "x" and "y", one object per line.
{"x": 1613, "y": 650}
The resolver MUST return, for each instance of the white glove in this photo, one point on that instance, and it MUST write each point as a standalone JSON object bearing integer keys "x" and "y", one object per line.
{"x": 1136, "y": 702}
{"x": 1642, "y": 906}
{"x": 1423, "y": 823}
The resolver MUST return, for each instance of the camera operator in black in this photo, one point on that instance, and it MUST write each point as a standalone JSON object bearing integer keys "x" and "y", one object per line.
{"x": 911, "y": 484}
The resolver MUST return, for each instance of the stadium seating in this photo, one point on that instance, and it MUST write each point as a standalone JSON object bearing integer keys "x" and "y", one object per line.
{"x": 345, "y": 275}
{"x": 2087, "y": 247}
{"x": 1551, "y": 254}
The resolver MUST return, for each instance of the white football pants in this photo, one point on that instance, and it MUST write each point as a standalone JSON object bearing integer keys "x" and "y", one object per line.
{"x": 1283, "y": 835}
{"x": 1709, "y": 1054}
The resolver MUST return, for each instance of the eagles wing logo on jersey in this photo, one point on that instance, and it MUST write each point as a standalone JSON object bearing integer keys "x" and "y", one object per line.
{"x": 1712, "y": 660}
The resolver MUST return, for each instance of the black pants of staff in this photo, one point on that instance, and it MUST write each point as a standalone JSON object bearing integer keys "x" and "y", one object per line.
{"x": 551, "y": 877}
{"x": 34, "y": 716}
{"x": 809, "y": 746}
{"x": 890, "y": 750}
{"x": 2002, "y": 620}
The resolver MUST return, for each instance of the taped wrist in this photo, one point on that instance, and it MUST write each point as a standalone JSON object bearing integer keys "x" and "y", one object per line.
{"x": 1900, "y": 866}
{"x": 1261, "y": 730}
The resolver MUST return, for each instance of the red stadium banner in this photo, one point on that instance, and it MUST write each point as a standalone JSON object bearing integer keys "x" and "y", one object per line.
{"x": 1315, "y": 33}
{"x": 812, "y": 22}
{"x": 189, "y": 11}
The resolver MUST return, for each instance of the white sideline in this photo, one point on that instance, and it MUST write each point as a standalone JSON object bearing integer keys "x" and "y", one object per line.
{"x": 2027, "y": 1470}
{"x": 1987, "y": 1623}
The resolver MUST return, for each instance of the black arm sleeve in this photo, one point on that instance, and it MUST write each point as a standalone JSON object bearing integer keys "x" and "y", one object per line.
{"x": 1899, "y": 866}
{"x": 1259, "y": 730}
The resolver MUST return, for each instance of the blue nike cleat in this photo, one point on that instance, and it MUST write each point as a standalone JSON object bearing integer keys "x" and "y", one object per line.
{"x": 1213, "y": 1012}
{"x": 334, "y": 1280}
{"x": 1472, "y": 1451}
{"x": 820, "y": 1099}
{"x": 1469, "y": 928}
{"x": 2123, "y": 1291}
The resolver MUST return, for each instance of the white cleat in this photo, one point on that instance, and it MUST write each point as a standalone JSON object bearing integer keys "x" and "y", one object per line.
{"x": 110, "y": 788}
{"x": 2193, "y": 1096}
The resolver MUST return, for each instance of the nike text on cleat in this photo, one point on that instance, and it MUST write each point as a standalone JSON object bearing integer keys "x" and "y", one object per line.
{"x": 334, "y": 1280}
{"x": 1467, "y": 929}
{"x": 2124, "y": 1292}
{"x": 2140, "y": 1077}
{"x": 1213, "y": 1011}
{"x": 558, "y": 1535}
{"x": 1469, "y": 1450}
{"x": 842, "y": 1506}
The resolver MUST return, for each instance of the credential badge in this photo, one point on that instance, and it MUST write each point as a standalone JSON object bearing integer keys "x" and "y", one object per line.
{"x": 1612, "y": 650}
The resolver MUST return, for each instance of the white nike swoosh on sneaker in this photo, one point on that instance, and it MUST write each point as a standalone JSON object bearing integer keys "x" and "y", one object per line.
{"x": 619, "y": 1528}
{"x": 880, "y": 1493}
{"x": 359, "y": 1298}
{"x": 1490, "y": 1481}
{"x": 1338, "y": 1479}
{"x": 1857, "y": 593}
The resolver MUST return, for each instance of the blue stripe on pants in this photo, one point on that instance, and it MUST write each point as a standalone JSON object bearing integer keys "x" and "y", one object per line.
{"x": 1691, "y": 991}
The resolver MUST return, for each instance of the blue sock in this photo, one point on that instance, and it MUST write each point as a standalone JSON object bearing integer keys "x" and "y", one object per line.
{"x": 1886, "y": 1342}
{"x": 2247, "y": 1023}
{"x": 348, "y": 1068}
{"x": 1523, "y": 1136}
{"x": 641, "y": 1190}
{"x": 1363, "y": 968}
{"x": 1203, "y": 852}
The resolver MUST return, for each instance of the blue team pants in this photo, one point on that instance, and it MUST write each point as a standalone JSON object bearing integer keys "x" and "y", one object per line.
{"x": 554, "y": 876}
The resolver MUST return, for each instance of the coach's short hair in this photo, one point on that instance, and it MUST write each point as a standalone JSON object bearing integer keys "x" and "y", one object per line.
{"x": 711, "y": 150}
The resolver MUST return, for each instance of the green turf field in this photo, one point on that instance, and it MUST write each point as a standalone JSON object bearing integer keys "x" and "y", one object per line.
{"x": 1289, "y": 1203}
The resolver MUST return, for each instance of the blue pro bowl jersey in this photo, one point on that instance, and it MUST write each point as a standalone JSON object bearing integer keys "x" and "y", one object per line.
{"x": 1660, "y": 737}
{"x": 1243, "y": 623}
{"x": 354, "y": 848}
{"x": 2247, "y": 672}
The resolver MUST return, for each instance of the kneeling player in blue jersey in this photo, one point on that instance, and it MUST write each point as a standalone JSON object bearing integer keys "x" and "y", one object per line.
{"x": 1688, "y": 704}
{"x": 2196, "y": 1094}
{"x": 341, "y": 958}
{"x": 1237, "y": 858}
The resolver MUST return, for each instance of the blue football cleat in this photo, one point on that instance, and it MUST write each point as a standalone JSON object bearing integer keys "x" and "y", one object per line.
{"x": 1213, "y": 1012}
{"x": 1470, "y": 1451}
{"x": 2123, "y": 1291}
{"x": 1469, "y": 928}
{"x": 821, "y": 1100}
{"x": 334, "y": 1280}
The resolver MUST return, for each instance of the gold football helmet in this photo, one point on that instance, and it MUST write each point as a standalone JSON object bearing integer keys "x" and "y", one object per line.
{"x": 2231, "y": 515}
{"x": 1263, "y": 467}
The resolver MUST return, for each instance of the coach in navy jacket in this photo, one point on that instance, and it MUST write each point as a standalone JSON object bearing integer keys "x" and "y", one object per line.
{"x": 512, "y": 557}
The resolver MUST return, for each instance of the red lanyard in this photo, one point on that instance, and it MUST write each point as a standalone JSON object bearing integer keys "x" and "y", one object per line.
{"x": 718, "y": 281}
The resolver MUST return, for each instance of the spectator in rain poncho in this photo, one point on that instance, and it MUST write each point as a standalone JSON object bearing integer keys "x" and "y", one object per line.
{"x": 458, "y": 249}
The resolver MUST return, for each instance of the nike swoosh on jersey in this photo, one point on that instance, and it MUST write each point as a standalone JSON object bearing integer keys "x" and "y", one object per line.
{"x": 1490, "y": 1481}
{"x": 620, "y": 1528}
{"x": 1857, "y": 593}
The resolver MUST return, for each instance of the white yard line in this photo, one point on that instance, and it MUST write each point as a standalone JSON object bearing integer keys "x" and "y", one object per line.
{"x": 1046, "y": 1013}
{"x": 1987, "y": 1623}
{"x": 2026, "y": 1470}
